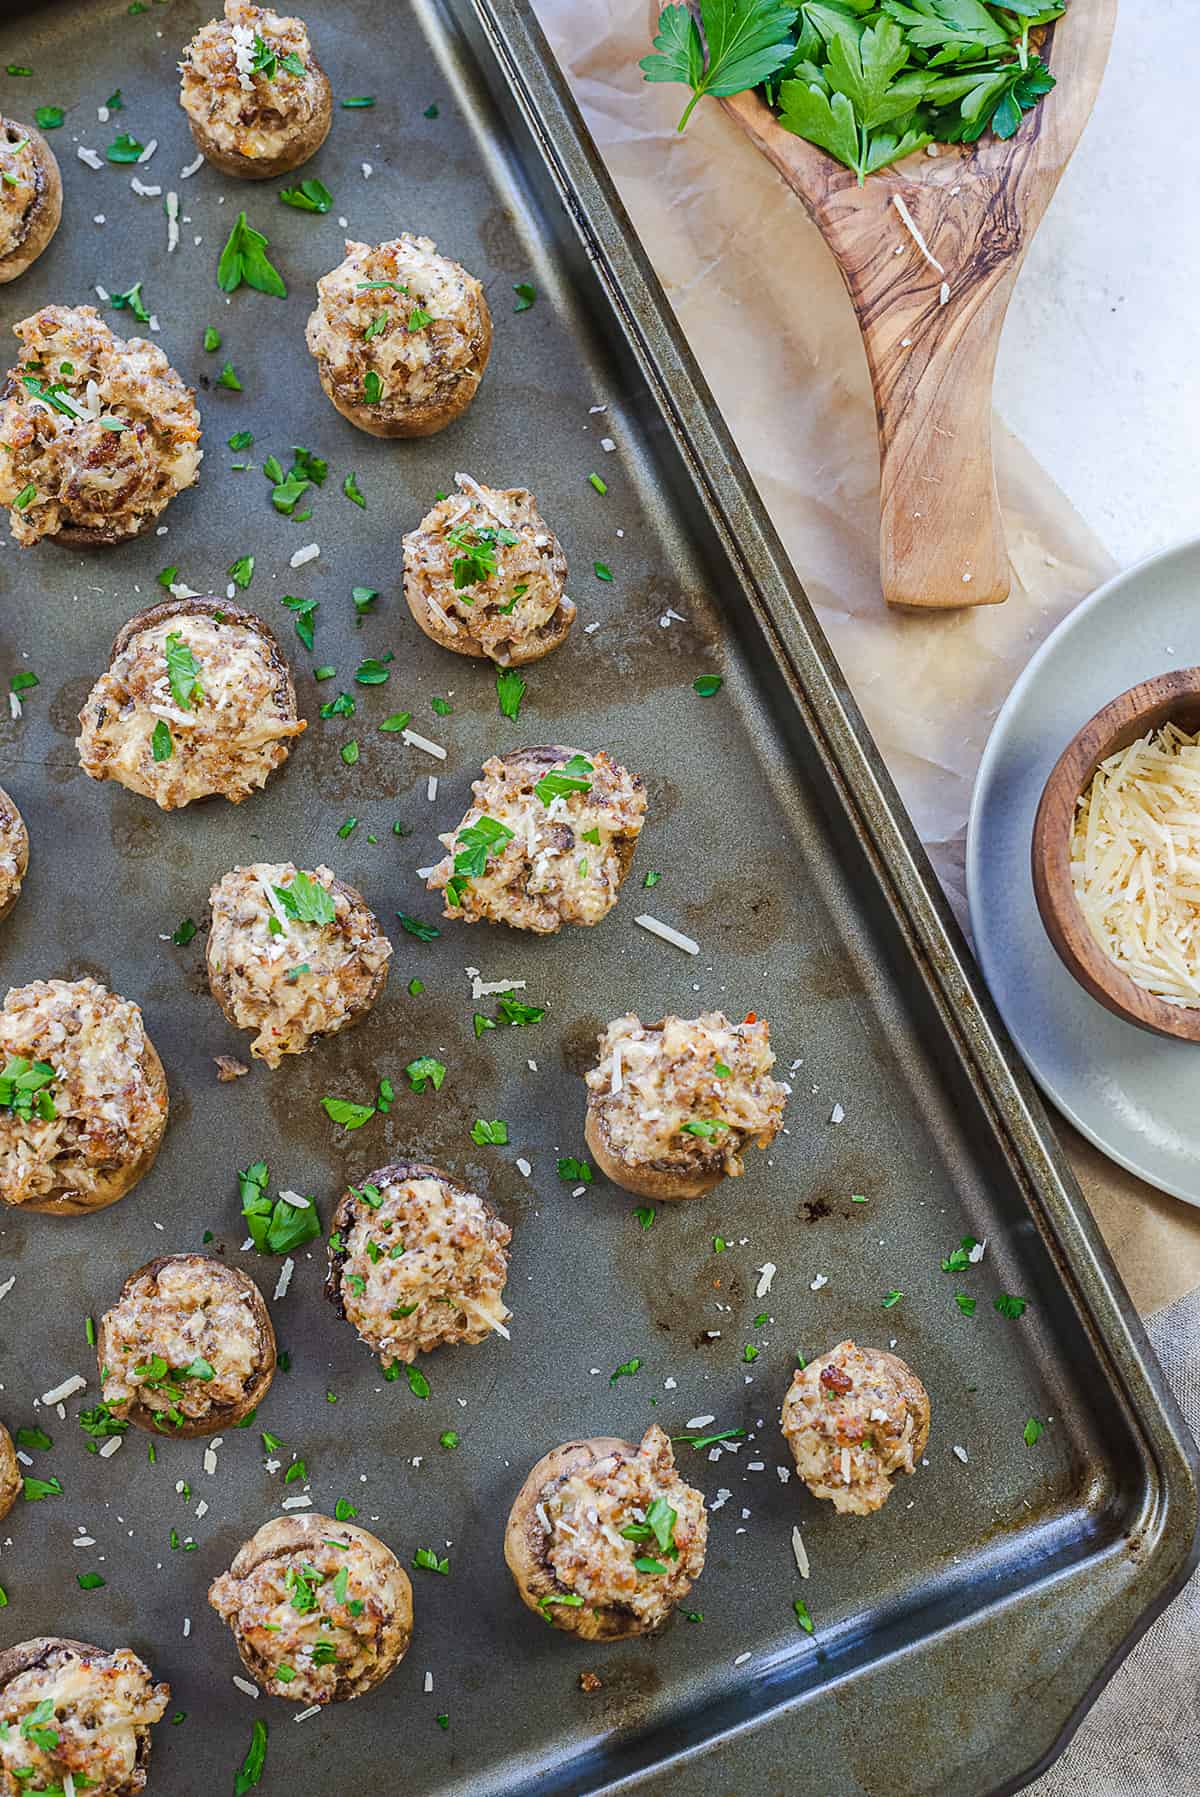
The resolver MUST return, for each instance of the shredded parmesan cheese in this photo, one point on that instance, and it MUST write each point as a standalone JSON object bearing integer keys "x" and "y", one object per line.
{"x": 913, "y": 229}
{"x": 800, "y": 1552}
{"x": 1135, "y": 862}
{"x": 667, "y": 934}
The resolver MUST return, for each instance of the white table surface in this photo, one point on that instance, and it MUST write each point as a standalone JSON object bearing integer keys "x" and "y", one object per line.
{"x": 1098, "y": 366}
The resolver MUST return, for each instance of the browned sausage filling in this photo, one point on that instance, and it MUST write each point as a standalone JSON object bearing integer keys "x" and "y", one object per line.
{"x": 14, "y": 851}
{"x": 312, "y": 1618}
{"x": 540, "y": 846}
{"x": 626, "y": 1533}
{"x": 184, "y": 1341}
{"x": 21, "y": 184}
{"x": 687, "y": 1091}
{"x": 75, "y": 1100}
{"x": 296, "y": 966}
{"x": 97, "y": 432}
{"x": 86, "y": 1718}
{"x": 853, "y": 1420}
{"x": 248, "y": 82}
{"x": 487, "y": 566}
{"x": 397, "y": 326}
{"x": 420, "y": 1263}
{"x": 192, "y": 706}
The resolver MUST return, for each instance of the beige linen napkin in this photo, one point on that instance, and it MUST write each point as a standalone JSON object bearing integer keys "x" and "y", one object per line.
{"x": 766, "y": 314}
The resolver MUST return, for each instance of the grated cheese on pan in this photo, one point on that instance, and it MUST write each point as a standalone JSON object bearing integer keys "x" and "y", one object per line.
{"x": 798, "y": 1548}
{"x": 675, "y": 937}
{"x": 1135, "y": 862}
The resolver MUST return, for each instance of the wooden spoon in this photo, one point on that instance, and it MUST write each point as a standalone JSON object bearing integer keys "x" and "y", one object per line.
{"x": 1168, "y": 698}
{"x": 977, "y": 206}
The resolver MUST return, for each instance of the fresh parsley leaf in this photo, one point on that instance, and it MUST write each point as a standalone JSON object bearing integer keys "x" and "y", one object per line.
{"x": 626, "y": 1370}
{"x": 241, "y": 572}
{"x": 34, "y": 1490}
{"x": 372, "y": 387}
{"x": 212, "y": 341}
{"x": 425, "y": 1071}
{"x": 399, "y": 720}
{"x": 306, "y": 899}
{"x": 424, "y": 932}
{"x": 485, "y": 1134}
{"x": 706, "y": 685}
{"x": 526, "y": 293}
{"x": 124, "y": 148}
{"x": 965, "y": 1303}
{"x": 573, "y": 777}
{"x": 276, "y": 1226}
{"x": 251, "y": 1768}
{"x": 358, "y": 101}
{"x": 239, "y": 439}
{"x": 371, "y": 671}
{"x": 748, "y": 41}
{"x": 184, "y": 934}
{"x": 510, "y": 690}
{"x": 802, "y": 1616}
{"x": 244, "y": 258}
{"x": 348, "y": 1114}
{"x": 517, "y": 1014}
{"x": 161, "y": 746}
{"x": 48, "y": 118}
{"x": 418, "y": 1384}
{"x": 426, "y": 1560}
{"x": 1033, "y": 1432}
{"x": 183, "y": 672}
{"x": 228, "y": 378}
{"x": 602, "y": 571}
{"x": 309, "y": 196}
{"x": 351, "y": 488}
{"x": 579, "y": 1172}
{"x": 1009, "y": 1306}
{"x": 644, "y": 1214}
{"x": 305, "y": 616}
{"x": 131, "y": 301}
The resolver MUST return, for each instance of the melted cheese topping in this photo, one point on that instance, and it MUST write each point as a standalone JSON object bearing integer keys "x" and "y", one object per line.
{"x": 108, "y": 1115}
{"x": 228, "y": 740}
{"x": 509, "y": 607}
{"x": 291, "y": 1622}
{"x": 14, "y": 850}
{"x": 86, "y": 473}
{"x": 20, "y": 185}
{"x": 653, "y": 1080}
{"x": 581, "y": 1519}
{"x": 546, "y": 874}
{"x": 445, "y": 1284}
{"x": 244, "y": 112}
{"x": 103, "y": 1707}
{"x": 190, "y": 1309}
{"x": 338, "y": 963}
{"x": 853, "y": 1421}
{"x": 1135, "y": 862}
{"x": 414, "y": 367}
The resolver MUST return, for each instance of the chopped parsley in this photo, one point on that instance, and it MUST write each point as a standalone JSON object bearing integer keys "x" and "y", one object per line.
{"x": 707, "y": 684}
{"x": 372, "y": 387}
{"x": 494, "y": 1134}
{"x": 448, "y": 1438}
{"x": 418, "y": 319}
{"x": 183, "y": 672}
{"x": 602, "y": 571}
{"x": 308, "y": 196}
{"x": 510, "y": 690}
{"x": 477, "y": 559}
{"x": 399, "y": 720}
{"x": 183, "y": 934}
{"x": 1009, "y": 1306}
{"x": 131, "y": 301}
{"x": 89, "y": 1581}
{"x": 48, "y": 118}
{"x": 626, "y": 1370}
{"x": 350, "y": 488}
{"x": 601, "y": 486}
{"x": 426, "y": 1560}
{"x": 577, "y": 1171}
{"x": 1033, "y": 1432}
{"x": 304, "y": 616}
{"x": 161, "y": 746}
{"x": 251, "y": 1768}
{"x": 212, "y": 341}
{"x": 34, "y": 1490}
{"x": 25, "y": 1088}
{"x": 570, "y": 778}
{"x": 965, "y": 1304}
{"x": 241, "y": 572}
{"x": 244, "y": 258}
{"x": 347, "y": 1113}
{"x": 802, "y": 1616}
{"x": 306, "y": 899}
{"x": 279, "y": 1226}
{"x": 240, "y": 439}
{"x": 891, "y": 1300}
{"x": 418, "y": 1384}
{"x": 228, "y": 378}
{"x": 425, "y": 1071}
{"x": 124, "y": 148}
{"x": 358, "y": 101}
{"x": 959, "y": 1259}
{"x": 645, "y": 1214}
{"x": 424, "y": 932}
{"x": 373, "y": 672}
{"x": 526, "y": 293}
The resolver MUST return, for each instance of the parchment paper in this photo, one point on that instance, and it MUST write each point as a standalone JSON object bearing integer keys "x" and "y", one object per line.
{"x": 767, "y": 316}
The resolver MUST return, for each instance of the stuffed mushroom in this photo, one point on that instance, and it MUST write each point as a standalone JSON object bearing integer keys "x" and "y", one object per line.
{"x": 83, "y": 1097}
{"x": 30, "y": 197}
{"x": 485, "y": 575}
{"x": 14, "y": 853}
{"x": 417, "y": 1261}
{"x": 197, "y": 702}
{"x": 855, "y": 1418}
{"x": 257, "y": 100}
{"x": 97, "y": 433}
{"x": 188, "y": 1347}
{"x": 76, "y": 1716}
{"x": 321, "y": 1611}
{"x": 548, "y": 841}
{"x": 10, "y": 1473}
{"x": 293, "y": 955}
{"x": 401, "y": 337}
{"x": 605, "y": 1538}
{"x": 672, "y": 1106}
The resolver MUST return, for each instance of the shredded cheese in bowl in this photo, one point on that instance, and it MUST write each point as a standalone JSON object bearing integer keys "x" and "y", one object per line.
{"x": 1135, "y": 862}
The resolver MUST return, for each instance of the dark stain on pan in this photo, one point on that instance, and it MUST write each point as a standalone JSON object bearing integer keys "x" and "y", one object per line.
{"x": 577, "y": 1044}
{"x": 67, "y": 704}
{"x": 79, "y": 967}
{"x": 629, "y": 1687}
{"x": 828, "y": 975}
{"x": 752, "y": 912}
{"x": 501, "y": 241}
{"x": 136, "y": 827}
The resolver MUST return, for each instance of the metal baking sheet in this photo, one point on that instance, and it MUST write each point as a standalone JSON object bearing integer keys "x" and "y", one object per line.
{"x": 960, "y": 1631}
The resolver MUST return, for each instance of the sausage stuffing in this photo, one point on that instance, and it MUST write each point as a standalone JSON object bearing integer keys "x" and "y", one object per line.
{"x": 97, "y": 433}
{"x": 255, "y": 96}
{"x": 70, "y": 1711}
{"x": 854, "y": 1418}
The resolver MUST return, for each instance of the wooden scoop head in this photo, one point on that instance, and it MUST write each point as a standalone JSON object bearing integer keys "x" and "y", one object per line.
{"x": 931, "y": 334}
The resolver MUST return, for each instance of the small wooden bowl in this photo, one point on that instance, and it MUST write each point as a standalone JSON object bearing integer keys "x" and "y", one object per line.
{"x": 1168, "y": 698}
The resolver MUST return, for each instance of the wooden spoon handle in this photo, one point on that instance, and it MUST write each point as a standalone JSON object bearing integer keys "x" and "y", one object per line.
{"x": 941, "y": 539}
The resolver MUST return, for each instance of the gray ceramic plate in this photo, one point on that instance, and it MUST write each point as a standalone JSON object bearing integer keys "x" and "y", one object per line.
{"x": 1131, "y": 1093}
